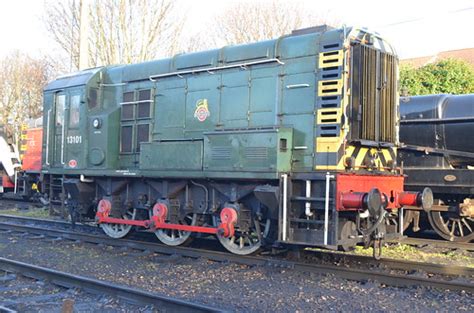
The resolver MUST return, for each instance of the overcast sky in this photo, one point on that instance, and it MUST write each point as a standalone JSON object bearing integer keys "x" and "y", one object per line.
{"x": 416, "y": 28}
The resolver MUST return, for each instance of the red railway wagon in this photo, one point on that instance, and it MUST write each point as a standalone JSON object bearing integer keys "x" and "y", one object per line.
{"x": 30, "y": 156}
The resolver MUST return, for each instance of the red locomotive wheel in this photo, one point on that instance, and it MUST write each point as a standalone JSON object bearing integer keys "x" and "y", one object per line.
{"x": 118, "y": 230}
{"x": 173, "y": 237}
{"x": 248, "y": 241}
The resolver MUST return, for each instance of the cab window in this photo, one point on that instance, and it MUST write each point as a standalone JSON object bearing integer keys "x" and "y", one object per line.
{"x": 60, "y": 107}
{"x": 93, "y": 93}
{"x": 74, "y": 111}
{"x": 135, "y": 119}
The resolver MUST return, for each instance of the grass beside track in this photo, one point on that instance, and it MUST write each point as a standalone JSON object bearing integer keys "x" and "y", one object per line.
{"x": 33, "y": 212}
{"x": 410, "y": 253}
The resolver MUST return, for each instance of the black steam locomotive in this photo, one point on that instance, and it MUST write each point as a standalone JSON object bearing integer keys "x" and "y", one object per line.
{"x": 439, "y": 153}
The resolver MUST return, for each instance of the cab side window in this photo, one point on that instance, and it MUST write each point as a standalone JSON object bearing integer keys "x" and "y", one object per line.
{"x": 135, "y": 119}
{"x": 93, "y": 95}
{"x": 60, "y": 108}
{"x": 74, "y": 111}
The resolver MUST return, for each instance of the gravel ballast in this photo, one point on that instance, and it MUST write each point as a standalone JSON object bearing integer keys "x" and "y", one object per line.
{"x": 227, "y": 285}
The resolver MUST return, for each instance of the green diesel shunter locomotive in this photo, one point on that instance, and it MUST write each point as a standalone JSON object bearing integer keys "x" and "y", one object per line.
{"x": 285, "y": 141}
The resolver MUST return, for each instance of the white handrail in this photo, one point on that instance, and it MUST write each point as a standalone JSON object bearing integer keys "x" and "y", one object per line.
{"x": 62, "y": 141}
{"x": 307, "y": 205}
{"x": 401, "y": 221}
{"x": 242, "y": 65}
{"x": 285, "y": 207}
{"x": 326, "y": 208}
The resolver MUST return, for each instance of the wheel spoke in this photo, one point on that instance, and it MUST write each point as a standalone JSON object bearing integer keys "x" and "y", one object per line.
{"x": 460, "y": 228}
{"x": 245, "y": 242}
{"x": 453, "y": 225}
{"x": 249, "y": 240}
{"x": 174, "y": 237}
{"x": 119, "y": 230}
{"x": 467, "y": 224}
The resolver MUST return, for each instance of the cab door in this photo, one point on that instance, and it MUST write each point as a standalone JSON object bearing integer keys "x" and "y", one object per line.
{"x": 74, "y": 149}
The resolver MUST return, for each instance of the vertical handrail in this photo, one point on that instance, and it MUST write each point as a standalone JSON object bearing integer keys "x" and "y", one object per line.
{"x": 62, "y": 140}
{"x": 16, "y": 180}
{"x": 308, "y": 212}
{"x": 47, "y": 136}
{"x": 401, "y": 221}
{"x": 285, "y": 206}
{"x": 326, "y": 207}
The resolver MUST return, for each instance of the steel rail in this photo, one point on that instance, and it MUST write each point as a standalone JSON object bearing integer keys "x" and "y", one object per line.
{"x": 438, "y": 243}
{"x": 163, "y": 303}
{"x": 414, "y": 241}
{"x": 407, "y": 240}
{"x": 405, "y": 265}
{"x": 343, "y": 272}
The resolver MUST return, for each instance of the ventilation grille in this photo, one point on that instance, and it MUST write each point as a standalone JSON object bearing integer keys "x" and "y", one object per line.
{"x": 256, "y": 153}
{"x": 374, "y": 91}
{"x": 221, "y": 153}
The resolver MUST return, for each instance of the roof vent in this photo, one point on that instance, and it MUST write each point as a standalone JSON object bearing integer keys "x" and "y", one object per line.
{"x": 310, "y": 30}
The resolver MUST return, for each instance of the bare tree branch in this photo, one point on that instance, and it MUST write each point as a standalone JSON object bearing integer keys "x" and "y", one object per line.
{"x": 21, "y": 88}
{"x": 121, "y": 31}
{"x": 252, "y": 21}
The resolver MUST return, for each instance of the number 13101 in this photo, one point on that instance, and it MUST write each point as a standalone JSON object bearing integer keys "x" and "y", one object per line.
{"x": 74, "y": 139}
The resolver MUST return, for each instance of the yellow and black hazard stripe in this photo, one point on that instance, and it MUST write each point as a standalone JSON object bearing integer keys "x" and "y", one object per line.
{"x": 383, "y": 158}
{"x": 330, "y": 106}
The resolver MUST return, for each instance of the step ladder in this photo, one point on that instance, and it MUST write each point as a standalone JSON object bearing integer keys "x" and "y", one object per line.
{"x": 54, "y": 188}
{"x": 313, "y": 199}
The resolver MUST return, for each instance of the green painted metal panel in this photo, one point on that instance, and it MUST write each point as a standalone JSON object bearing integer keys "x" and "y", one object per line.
{"x": 299, "y": 46}
{"x": 263, "y": 101}
{"x": 259, "y": 150}
{"x": 202, "y": 88}
{"x": 285, "y": 149}
{"x": 234, "y": 99}
{"x": 133, "y": 72}
{"x": 301, "y": 65}
{"x": 104, "y": 142}
{"x": 169, "y": 113}
{"x": 249, "y": 52}
{"x": 302, "y": 138}
{"x": 299, "y": 94}
{"x": 196, "y": 60}
{"x": 177, "y": 155}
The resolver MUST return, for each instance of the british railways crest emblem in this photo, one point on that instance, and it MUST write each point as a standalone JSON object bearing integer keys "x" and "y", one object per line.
{"x": 202, "y": 110}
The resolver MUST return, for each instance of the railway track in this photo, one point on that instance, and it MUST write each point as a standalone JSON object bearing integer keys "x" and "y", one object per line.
{"x": 413, "y": 241}
{"x": 8, "y": 203}
{"x": 421, "y": 242}
{"x": 66, "y": 280}
{"x": 386, "y": 271}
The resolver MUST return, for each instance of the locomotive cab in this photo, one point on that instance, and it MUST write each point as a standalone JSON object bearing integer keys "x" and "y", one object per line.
{"x": 67, "y": 102}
